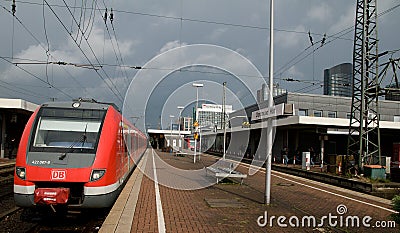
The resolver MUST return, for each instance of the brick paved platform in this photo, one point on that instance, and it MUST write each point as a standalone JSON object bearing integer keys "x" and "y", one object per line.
{"x": 184, "y": 199}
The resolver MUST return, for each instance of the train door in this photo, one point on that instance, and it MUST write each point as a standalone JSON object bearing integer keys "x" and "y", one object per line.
{"x": 119, "y": 157}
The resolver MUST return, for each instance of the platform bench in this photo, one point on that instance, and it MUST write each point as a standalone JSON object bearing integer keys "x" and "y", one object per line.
{"x": 223, "y": 169}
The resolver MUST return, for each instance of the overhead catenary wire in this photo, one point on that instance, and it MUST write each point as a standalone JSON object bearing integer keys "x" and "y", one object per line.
{"x": 116, "y": 91}
{"x": 21, "y": 90}
{"x": 204, "y": 21}
{"x": 299, "y": 58}
{"x": 119, "y": 50}
{"x": 13, "y": 11}
{"x": 88, "y": 66}
{"x": 47, "y": 40}
{"x": 185, "y": 19}
{"x": 39, "y": 44}
{"x": 315, "y": 86}
{"x": 249, "y": 26}
{"x": 324, "y": 41}
{"x": 92, "y": 17}
{"x": 118, "y": 55}
{"x": 38, "y": 78}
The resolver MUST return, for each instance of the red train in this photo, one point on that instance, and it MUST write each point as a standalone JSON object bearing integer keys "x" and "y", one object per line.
{"x": 75, "y": 154}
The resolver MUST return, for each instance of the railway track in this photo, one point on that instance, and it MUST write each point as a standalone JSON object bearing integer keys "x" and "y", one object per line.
{"x": 70, "y": 221}
{"x": 10, "y": 215}
{"x": 6, "y": 174}
{"x": 16, "y": 219}
{"x": 7, "y": 168}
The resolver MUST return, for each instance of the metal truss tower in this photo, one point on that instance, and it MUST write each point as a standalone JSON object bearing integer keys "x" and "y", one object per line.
{"x": 364, "y": 134}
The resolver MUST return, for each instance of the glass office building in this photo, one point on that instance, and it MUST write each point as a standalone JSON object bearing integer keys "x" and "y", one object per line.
{"x": 338, "y": 80}
{"x": 210, "y": 115}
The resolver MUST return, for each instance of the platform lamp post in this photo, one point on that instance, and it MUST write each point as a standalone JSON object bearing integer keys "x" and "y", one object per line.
{"x": 270, "y": 104}
{"x": 196, "y": 85}
{"x": 199, "y": 141}
{"x": 171, "y": 117}
{"x": 179, "y": 126}
{"x": 223, "y": 118}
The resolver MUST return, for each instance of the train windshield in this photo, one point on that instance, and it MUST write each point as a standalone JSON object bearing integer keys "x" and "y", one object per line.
{"x": 74, "y": 129}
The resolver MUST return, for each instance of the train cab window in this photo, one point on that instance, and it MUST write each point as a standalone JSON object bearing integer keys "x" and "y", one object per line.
{"x": 55, "y": 133}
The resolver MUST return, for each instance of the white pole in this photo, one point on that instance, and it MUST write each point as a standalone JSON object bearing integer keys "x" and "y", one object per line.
{"x": 170, "y": 140}
{"x": 197, "y": 85}
{"x": 224, "y": 118}
{"x": 199, "y": 142}
{"x": 195, "y": 139}
{"x": 179, "y": 133}
{"x": 270, "y": 104}
{"x": 179, "y": 127}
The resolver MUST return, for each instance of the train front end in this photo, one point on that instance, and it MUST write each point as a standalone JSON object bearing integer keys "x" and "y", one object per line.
{"x": 58, "y": 162}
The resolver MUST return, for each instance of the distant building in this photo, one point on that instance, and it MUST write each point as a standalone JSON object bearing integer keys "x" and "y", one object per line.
{"x": 186, "y": 123}
{"x": 210, "y": 115}
{"x": 262, "y": 94}
{"x": 338, "y": 80}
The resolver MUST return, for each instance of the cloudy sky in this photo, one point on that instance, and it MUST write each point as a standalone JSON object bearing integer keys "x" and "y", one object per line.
{"x": 93, "y": 58}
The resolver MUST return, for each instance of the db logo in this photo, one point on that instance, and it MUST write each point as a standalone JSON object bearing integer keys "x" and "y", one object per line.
{"x": 58, "y": 174}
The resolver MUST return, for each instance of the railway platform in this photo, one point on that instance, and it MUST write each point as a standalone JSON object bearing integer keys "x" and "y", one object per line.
{"x": 170, "y": 193}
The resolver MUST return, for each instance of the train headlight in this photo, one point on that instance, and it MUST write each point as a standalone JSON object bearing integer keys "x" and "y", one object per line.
{"x": 97, "y": 174}
{"x": 20, "y": 172}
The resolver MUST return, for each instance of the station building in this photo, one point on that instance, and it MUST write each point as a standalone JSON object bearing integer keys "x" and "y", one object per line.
{"x": 320, "y": 122}
{"x": 211, "y": 115}
{"x": 165, "y": 138}
{"x": 14, "y": 114}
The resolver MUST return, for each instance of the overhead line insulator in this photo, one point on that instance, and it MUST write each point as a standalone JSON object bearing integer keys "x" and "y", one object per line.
{"x": 311, "y": 39}
{"x": 111, "y": 15}
{"x": 105, "y": 16}
{"x": 13, "y": 8}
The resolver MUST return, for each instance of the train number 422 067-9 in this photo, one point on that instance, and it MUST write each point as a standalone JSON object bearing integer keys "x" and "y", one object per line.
{"x": 41, "y": 162}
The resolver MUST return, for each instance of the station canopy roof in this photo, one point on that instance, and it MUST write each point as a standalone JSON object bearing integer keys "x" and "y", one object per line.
{"x": 17, "y": 104}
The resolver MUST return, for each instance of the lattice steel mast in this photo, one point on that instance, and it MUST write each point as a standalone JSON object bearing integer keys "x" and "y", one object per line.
{"x": 364, "y": 134}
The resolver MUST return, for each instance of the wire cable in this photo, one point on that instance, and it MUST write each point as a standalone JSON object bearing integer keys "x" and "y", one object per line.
{"x": 119, "y": 96}
{"x": 39, "y": 43}
{"x": 21, "y": 90}
{"x": 118, "y": 47}
{"x": 38, "y": 78}
{"x": 334, "y": 36}
{"x": 187, "y": 19}
{"x": 323, "y": 42}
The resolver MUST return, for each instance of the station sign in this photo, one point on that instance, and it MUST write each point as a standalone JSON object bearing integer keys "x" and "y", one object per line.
{"x": 216, "y": 108}
{"x": 274, "y": 111}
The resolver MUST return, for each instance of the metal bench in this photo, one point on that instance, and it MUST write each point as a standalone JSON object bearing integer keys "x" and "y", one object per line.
{"x": 223, "y": 169}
